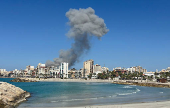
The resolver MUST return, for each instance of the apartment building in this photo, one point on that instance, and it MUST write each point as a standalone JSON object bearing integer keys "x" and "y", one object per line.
{"x": 87, "y": 68}
{"x": 75, "y": 74}
{"x": 2, "y": 71}
{"x": 105, "y": 69}
{"x": 136, "y": 69}
{"x": 54, "y": 71}
{"x": 64, "y": 70}
{"x": 97, "y": 68}
{"x": 41, "y": 68}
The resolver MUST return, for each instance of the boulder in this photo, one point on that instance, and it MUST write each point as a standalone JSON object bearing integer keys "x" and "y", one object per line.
{"x": 22, "y": 80}
{"x": 11, "y": 95}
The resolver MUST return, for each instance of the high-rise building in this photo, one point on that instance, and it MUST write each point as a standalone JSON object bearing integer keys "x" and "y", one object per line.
{"x": 88, "y": 68}
{"x": 64, "y": 70}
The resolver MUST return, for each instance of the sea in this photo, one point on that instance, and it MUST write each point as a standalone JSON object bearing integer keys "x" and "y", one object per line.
{"x": 74, "y": 94}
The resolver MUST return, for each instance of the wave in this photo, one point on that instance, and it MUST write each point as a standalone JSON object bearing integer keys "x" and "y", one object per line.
{"x": 161, "y": 92}
{"x": 137, "y": 89}
{"x": 76, "y": 99}
{"x": 68, "y": 100}
{"x": 125, "y": 93}
{"x": 100, "y": 97}
{"x": 133, "y": 85}
{"x": 127, "y": 87}
{"x": 54, "y": 101}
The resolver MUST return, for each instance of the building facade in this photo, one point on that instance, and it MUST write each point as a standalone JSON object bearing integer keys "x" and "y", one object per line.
{"x": 97, "y": 68}
{"x": 41, "y": 68}
{"x": 64, "y": 70}
{"x": 54, "y": 71}
{"x": 105, "y": 69}
{"x": 74, "y": 74}
{"x": 136, "y": 69}
{"x": 87, "y": 68}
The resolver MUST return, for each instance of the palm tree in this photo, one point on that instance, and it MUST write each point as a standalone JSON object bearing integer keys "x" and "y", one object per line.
{"x": 113, "y": 74}
{"x": 90, "y": 75}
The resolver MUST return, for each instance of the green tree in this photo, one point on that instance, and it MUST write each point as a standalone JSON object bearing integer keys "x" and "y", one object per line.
{"x": 99, "y": 76}
{"x": 90, "y": 75}
{"x": 113, "y": 74}
{"x": 120, "y": 74}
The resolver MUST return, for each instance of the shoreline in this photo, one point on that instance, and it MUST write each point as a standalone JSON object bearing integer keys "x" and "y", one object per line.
{"x": 67, "y": 80}
{"x": 124, "y": 82}
{"x": 154, "y": 104}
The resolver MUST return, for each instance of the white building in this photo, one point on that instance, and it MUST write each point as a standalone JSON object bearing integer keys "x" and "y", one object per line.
{"x": 16, "y": 72}
{"x": 55, "y": 71}
{"x": 168, "y": 69}
{"x": 94, "y": 75}
{"x": 2, "y": 71}
{"x": 96, "y": 68}
{"x": 41, "y": 68}
{"x": 149, "y": 73}
{"x": 105, "y": 69}
{"x": 136, "y": 69}
{"x": 131, "y": 69}
{"x": 29, "y": 69}
{"x": 64, "y": 70}
{"x": 117, "y": 68}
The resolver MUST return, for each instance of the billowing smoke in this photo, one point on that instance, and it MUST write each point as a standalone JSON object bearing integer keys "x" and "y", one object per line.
{"x": 83, "y": 24}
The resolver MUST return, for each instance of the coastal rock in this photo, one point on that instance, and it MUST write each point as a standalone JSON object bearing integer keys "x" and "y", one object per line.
{"x": 11, "y": 95}
{"x": 142, "y": 84}
{"x": 22, "y": 80}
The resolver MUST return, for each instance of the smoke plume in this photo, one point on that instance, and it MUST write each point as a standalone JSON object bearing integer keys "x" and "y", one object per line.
{"x": 83, "y": 24}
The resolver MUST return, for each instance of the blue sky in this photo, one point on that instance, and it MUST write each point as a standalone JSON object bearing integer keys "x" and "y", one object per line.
{"x": 34, "y": 31}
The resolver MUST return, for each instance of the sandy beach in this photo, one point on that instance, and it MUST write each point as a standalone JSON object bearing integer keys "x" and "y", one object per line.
{"x": 164, "y": 104}
{"x": 68, "y": 80}
{"x": 90, "y": 80}
{"x": 77, "y": 80}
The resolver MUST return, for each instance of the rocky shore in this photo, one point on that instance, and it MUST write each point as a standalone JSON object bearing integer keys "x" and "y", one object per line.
{"x": 11, "y": 96}
{"x": 22, "y": 80}
{"x": 166, "y": 85}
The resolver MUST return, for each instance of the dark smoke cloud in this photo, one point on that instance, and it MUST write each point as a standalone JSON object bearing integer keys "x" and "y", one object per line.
{"x": 83, "y": 24}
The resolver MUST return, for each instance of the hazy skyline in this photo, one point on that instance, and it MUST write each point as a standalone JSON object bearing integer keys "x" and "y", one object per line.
{"x": 35, "y": 31}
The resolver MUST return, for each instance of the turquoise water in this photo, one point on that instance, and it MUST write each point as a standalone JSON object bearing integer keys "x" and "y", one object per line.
{"x": 70, "y": 94}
